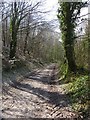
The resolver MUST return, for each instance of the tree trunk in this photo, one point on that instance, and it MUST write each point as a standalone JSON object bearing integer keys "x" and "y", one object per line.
{"x": 13, "y": 45}
{"x": 25, "y": 44}
{"x": 3, "y": 30}
{"x": 69, "y": 50}
{"x": 69, "y": 42}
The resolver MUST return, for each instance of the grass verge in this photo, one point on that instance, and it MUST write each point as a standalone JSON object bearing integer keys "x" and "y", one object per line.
{"x": 78, "y": 90}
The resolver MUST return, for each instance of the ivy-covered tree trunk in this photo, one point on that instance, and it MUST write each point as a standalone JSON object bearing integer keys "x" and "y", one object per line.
{"x": 69, "y": 51}
{"x": 67, "y": 29}
{"x": 13, "y": 45}
{"x": 67, "y": 14}
{"x": 14, "y": 26}
{"x": 69, "y": 40}
{"x": 13, "y": 30}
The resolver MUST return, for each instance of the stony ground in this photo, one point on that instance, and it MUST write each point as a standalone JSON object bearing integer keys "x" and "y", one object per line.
{"x": 36, "y": 95}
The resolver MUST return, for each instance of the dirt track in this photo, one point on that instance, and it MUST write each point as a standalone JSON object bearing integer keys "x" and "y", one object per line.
{"x": 36, "y": 95}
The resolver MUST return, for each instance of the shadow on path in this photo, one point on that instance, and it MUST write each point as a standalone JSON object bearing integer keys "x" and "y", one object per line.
{"x": 54, "y": 98}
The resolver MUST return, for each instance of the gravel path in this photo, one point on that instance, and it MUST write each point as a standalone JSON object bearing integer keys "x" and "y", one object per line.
{"x": 36, "y": 95}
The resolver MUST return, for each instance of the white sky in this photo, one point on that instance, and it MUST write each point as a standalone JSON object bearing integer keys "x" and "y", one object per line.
{"x": 52, "y": 5}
